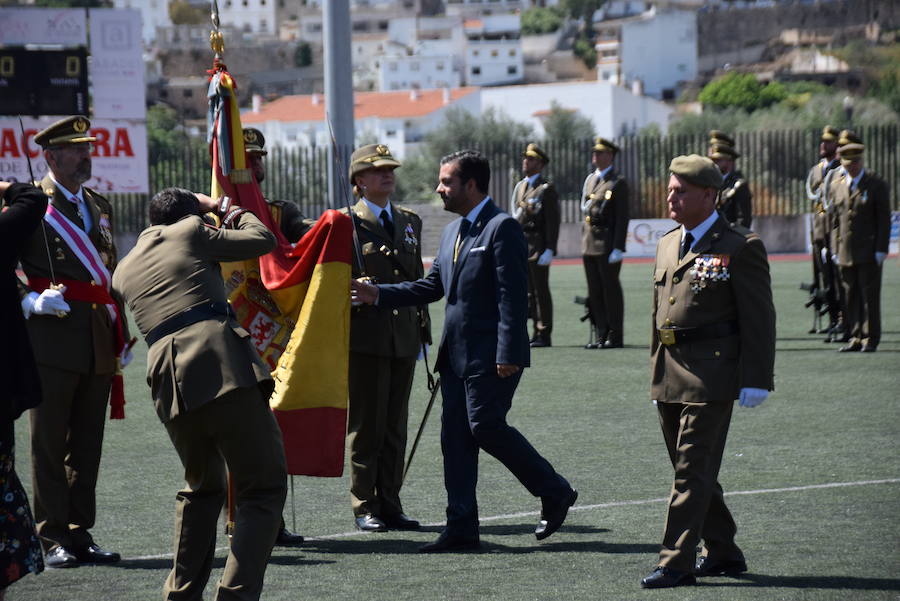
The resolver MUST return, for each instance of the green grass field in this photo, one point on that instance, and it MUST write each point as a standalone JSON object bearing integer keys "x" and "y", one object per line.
{"x": 813, "y": 477}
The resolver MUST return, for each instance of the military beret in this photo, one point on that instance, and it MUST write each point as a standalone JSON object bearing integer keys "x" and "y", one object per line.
{"x": 698, "y": 170}
{"x": 848, "y": 136}
{"x": 71, "y": 130}
{"x": 720, "y": 137}
{"x": 851, "y": 152}
{"x": 254, "y": 141}
{"x": 602, "y": 145}
{"x": 371, "y": 156}
{"x": 533, "y": 150}
{"x": 722, "y": 151}
{"x": 830, "y": 134}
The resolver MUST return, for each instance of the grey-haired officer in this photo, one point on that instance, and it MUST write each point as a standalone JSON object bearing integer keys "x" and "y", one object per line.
{"x": 535, "y": 205}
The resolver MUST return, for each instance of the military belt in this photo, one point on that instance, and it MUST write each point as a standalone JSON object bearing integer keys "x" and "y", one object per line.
{"x": 188, "y": 317}
{"x": 670, "y": 336}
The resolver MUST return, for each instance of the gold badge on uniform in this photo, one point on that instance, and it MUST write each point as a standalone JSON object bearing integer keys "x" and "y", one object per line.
{"x": 608, "y": 194}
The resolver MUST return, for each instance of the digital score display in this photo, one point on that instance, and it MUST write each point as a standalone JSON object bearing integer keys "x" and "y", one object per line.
{"x": 43, "y": 82}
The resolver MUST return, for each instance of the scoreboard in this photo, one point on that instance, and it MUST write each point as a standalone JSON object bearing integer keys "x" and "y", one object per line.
{"x": 43, "y": 82}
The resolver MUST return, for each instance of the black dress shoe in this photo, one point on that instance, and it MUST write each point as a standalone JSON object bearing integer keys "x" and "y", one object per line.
{"x": 400, "y": 521}
{"x": 663, "y": 577}
{"x": 540, "y": 343}
{"x": 853, "y": 347}
{"x": 449, "y": 543}
{"x": 59, "y": 557}
{"x": 593, "y": 345}
{"x": 554, "y": 514}
{"x": 286, "y": 538}
{"x": 869, "y": 348}
{"x": 94, "y": 554}
{"x": 613, "y": 343}
{"x": 724, "y": 567}
{"x": 370, "y": 523}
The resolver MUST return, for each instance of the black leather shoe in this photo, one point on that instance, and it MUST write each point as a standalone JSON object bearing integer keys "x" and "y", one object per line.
{"x": 725, "y": 567}
{"x": 400, "y": 521}
{"x": 286, "y": 538}
{"x": 370, "y": 523}
{"x": 94, "y": 554}
{"x": 667, "y": 578}
{"x": 853, "y": 347}
{"x": 593, "y": 345}
{"x": 540, "y": 343}
{"x": 59, "y": 557}
{"x": 869, "y": 348}
{"x": 610, "y": 343}
{"x": 449, "y": 543}
{"x": 554, "y": 514}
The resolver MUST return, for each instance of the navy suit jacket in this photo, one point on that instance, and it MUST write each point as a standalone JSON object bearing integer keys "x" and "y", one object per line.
{"x": 485, "y": 321}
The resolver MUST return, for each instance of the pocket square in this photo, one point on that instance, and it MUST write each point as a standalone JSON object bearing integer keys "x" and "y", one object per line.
{"x": 477, "y": 249}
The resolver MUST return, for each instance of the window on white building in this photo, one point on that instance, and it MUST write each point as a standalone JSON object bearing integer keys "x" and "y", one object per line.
{"x": 512, "y": 70}
{"x": 512, "y": 52}
{"x": 475, "y": 53}
{"x": 263, "y": 26}
{"x": 476, "y": 70}
{"x": 495, "y": 53}
{"x": 440, "y": 66}
{"x": 391, "y": 133}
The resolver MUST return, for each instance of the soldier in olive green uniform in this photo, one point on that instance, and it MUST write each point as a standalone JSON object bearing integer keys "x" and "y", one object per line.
{"x": 605, "y": 208}
{"x": 76, "y": 352}
{"x": 861, "y": 204}
{"x": 384, "y": 344}
{"x": 714, "y": 342}
{"x": 735, "y": 200}
{"x": 825, "y": 281}
{"x": 535, "y": 205}
{"x": 286, "y": 213}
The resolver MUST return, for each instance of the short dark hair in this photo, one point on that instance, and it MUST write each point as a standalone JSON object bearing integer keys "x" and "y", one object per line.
{"x": 471, "y": 164}
{"x": 171, "y": 204}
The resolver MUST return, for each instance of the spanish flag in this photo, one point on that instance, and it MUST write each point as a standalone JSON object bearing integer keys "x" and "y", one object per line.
{"x": 294, "y": 302}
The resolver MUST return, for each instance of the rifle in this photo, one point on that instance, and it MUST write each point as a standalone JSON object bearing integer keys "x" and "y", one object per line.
{"x": 593, "y": 334}
{"x": 818, "y": 301}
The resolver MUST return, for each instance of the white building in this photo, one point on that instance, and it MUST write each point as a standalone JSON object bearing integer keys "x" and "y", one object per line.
{"x": 614, "y": 110}
{"x": 493, "y": 50}
{"x": 656, "y": 48}
{"x": 154, "y": 13}
{"x": 259, "y": 17}
{"x": 398, "y": 119}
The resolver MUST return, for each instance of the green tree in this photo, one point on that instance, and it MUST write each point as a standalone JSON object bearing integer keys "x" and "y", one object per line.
{"x": 581, "y": 9}
{"x": 741, "y": 90}
{"x": 584, "y": 49}
{"x": 183, "y": 12}
{"x": 564, "y": 125}
{"x": 540, "y": 20}
{"x": 493, "y": 129}
{"x": 303, "y": 55}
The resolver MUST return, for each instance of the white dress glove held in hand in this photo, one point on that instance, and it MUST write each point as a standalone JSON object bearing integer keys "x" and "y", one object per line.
{"x": 616, "y": 256}
{"x": 751, "y": 397}
{"x": 125, "y": 358}
{"x": 545, "y": 258}
{"x": 48, "y": 302}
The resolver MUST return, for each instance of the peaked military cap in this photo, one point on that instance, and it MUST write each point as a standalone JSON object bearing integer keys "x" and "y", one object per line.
{"x": 830, "y": 134}
{"x": 254, "y": 141}
{"x": 71, "y": 130}
{"x": 848, "y": 136}
{"x": 851, "y": 152}
{"x": 721, "y": 150}
{"x": 720, "y": 137}
{"x": 602, "y": 144}
{"x": 533, "y": 150}
{"x": 371, "y": 156}
{"x": 698, "y": 170}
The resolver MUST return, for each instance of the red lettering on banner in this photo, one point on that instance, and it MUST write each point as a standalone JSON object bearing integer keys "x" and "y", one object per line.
{"x": 123, "y": 143}
{"x": 101, "y": 144}
{"x": 8, "y": 146}
{"x": 29, "y": 133}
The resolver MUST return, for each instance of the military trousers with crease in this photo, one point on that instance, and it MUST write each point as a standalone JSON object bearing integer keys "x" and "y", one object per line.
{"x": 695, "y": 436}
{"x": 236, "y": 430}
{"x": 376, "y": 431}
{"x": 474, "y": 418}
{"x": 66, "y": 444}
{"x": 862, "y": 289}
{"x": 605, "y": 297}
{"x": 540, "y": 303}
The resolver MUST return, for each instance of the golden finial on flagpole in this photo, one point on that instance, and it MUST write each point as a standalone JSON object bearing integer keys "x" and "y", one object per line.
{"x": 216, "y": 39}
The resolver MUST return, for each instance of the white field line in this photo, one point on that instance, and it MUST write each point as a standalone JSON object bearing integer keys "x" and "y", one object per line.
{"x": 523, "y": 514}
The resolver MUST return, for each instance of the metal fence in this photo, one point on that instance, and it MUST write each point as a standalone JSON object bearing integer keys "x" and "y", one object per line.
{"x": 775, "y": 163}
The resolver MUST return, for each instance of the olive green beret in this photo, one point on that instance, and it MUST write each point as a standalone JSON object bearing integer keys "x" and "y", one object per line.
{"x": 851, "y": 152}
{"x": 71, "y": 130}
{"x": 697, "y": 170}
{"x": 533, "y": 150}
{"x": 254, "y": 141}
{"x": 370, "y": 157}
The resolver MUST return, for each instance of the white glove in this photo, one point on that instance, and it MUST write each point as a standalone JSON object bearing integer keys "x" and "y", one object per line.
{"x": 125, "y": 358}
{"x": 751, "y": 397}
{"x": 824, "y": 254}
{"x": 834, "y": 258}
{"x": 880, "y": 257}
{"x": 616, "y": 256}
{"x": 545, "y": 258}
{"x": 48, "y": 302}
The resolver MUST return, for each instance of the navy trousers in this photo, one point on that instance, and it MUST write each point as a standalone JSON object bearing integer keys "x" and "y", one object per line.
{"x": 473, "y": 418}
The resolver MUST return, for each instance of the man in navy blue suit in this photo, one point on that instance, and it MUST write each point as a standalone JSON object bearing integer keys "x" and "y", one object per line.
{"x": 481, "y": 269}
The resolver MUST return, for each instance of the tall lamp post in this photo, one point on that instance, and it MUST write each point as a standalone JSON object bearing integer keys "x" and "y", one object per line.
{"x": 848, "y": 110}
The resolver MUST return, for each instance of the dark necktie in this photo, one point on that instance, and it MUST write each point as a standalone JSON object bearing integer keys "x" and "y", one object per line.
{"x": 464, "y": 226}
{"x": 387, "y": 224}
{"x": 685, "y": 245}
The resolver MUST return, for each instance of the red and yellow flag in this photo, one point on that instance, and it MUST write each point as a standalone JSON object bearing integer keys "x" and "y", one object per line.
{"x": 294, "y": 302}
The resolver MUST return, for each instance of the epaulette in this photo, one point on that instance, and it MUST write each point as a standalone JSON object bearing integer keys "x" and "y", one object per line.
{"x": 406, "y": 211}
